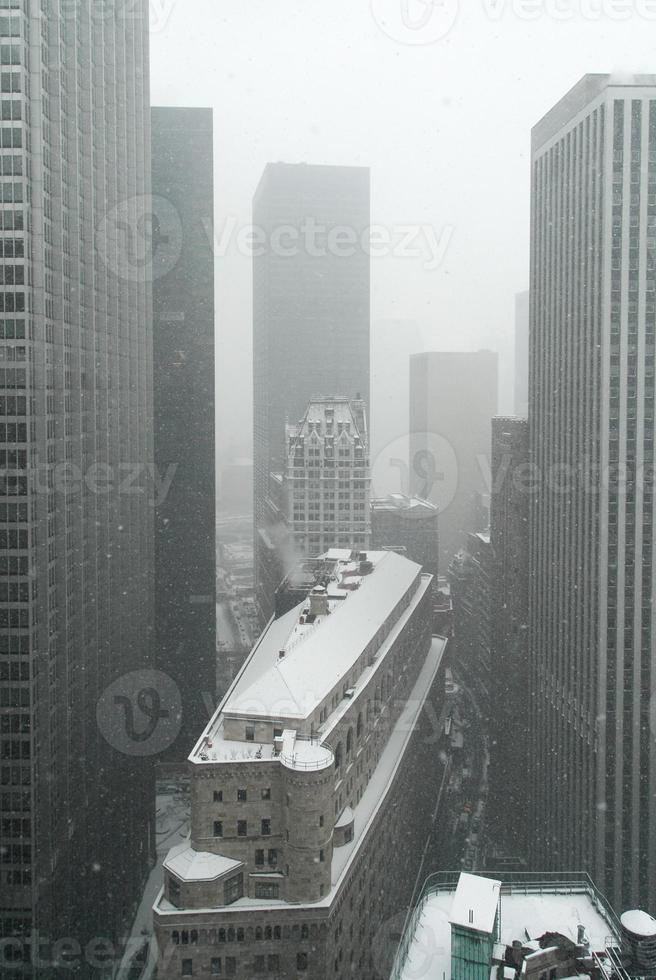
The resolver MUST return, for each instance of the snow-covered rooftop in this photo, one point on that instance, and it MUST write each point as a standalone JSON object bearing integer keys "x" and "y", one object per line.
{"x": 190, "y": 865}
{"x": 526, "y": 914}
{"x": 302, "y": 657}
{"x": 402, "y": 502}
{"x": 475, "y": 903}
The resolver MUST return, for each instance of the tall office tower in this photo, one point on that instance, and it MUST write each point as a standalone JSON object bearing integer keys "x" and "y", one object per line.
{"x": 592, "y": 634}
{"x": 453, "y": 397}
{"x": 521, "y": 353}
{"x": 326, "y": 484}
{"x": 509, "y": 690}
{"x": 310, "y": 320}
{"x": 410, "y": 525}
{"x": 312, "y": 787}
{"x": 183, "y": 364}
{"x": 76, "y": 520}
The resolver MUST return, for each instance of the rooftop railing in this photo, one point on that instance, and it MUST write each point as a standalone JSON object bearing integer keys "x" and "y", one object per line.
{"x": 512, "y": 883}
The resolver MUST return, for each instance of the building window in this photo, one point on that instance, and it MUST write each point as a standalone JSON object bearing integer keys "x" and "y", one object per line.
{"x": 258, "y": 965}
{"x": 233, "y": 890}
{"x": 242, "y": 828}
{"x": 301, "y": 961}
{"x": 259, "y": 858}
{"x": 231, "y": 965}
{"x": 266, "y": 793}
{"x": 266, "y": 889}
{"x": 277, "y": 732}
{"x": 273, "y": 963}
{"x": 218, "y": 796}
{"x": 321, "y": 855}
{"x": 266, "y": 827}
{"x": 272, "y": 857}
{"x": 187, "y": 968}
{"x": 215, "y": 966}
{"x": 218, "y": 828}
{"x": 242, "y": 795}
{"x": 250, "y": 733}
{"x": 321, "y": 820}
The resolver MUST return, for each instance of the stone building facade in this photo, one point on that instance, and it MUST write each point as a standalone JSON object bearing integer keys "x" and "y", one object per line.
{"x": 312, "y": 787}
{"x": 326, "y": 485}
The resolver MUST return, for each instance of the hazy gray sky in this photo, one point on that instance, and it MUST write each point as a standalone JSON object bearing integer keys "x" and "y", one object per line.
{"x": 442, "y": 116}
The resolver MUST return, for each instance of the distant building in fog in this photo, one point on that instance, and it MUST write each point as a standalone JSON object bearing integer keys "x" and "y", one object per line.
{"x": 509, "y": 679}
{"x": 592, "y": 558}
{"x": 521, "y": 353}
{"x": 183, "y": 362}
{"x": 236, "y": 496}
{"x": 310, "y": 320}
{"x": 326, "y": 483}
{"x": 453, "y": 397}
{"x": 408, "y": 523}
{"x": 315, "y": 767}
{"x": 392, "y": 343}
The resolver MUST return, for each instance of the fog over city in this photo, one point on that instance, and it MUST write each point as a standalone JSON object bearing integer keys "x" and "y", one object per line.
{"x": 327, "y": 490}
{"x": 444, "y": 125}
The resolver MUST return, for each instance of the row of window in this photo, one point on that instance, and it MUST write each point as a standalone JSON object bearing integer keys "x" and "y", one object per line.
{"x": 228, "y": 965}
{"x": 242, "y": 827}
{"x": 242, "y": 794}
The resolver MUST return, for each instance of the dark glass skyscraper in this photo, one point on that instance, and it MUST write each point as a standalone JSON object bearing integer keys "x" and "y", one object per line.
{"x": 183, "y": 346}
{"x": 592, "y": 557}
{"x": 311, "y": 289}
{"x": 76, "y": 516}
{"x": 509, "y": 697}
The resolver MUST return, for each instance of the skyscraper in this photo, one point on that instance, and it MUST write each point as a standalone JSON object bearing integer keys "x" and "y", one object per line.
{"x": 521, "y": 353}
{"x": 76, "y": 515}
{"x": 453, "y": 397}
{"x": 183, "y": 356}
{"x": 509, "y": 691}
{"x": 592, "y": 635}
{"x": 310, "y": 317}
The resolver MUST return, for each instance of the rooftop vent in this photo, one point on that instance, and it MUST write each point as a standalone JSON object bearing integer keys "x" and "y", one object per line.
{"x": 318, "y": 601}
{"x": 281, "y": 655}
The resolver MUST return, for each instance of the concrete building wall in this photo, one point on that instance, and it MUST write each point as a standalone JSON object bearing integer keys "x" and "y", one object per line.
{"x": 357, "y": 932}
{"x": 509, "y": 687}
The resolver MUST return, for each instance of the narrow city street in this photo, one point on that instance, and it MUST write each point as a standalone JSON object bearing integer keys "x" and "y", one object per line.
{"x": 457, "y": 837}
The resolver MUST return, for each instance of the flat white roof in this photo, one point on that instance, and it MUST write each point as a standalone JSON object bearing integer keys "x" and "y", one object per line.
{"x": 320, "y": 654}
{"x": 190, "y": 865}
{"x": 475, "y": 903}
